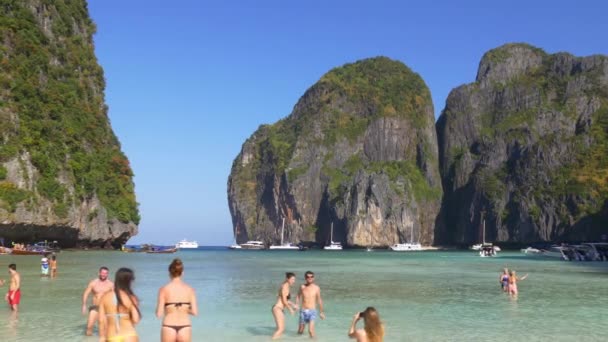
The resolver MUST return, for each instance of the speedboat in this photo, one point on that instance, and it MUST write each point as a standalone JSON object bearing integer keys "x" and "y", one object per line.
{"x": 255, "y": 245}
{"x": 476, "y": 247}
{"x": 531, "y": 251}
{"x": 186, "y": 244}
{"x": 406, "y": 247}
{"x": 234, "y": 246}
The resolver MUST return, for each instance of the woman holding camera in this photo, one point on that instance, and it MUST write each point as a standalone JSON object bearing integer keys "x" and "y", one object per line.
{"x": 373, "y": 331}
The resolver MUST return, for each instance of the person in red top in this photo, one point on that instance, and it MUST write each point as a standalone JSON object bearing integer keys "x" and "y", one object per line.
{"x": 13, "y": 297}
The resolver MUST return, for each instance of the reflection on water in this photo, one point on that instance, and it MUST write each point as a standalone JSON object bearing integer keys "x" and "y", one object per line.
{"x": 428, "y": 296}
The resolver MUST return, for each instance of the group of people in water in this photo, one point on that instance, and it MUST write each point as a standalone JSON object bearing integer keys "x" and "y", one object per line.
{"x": 116, "y": 308}
{"x": 307, "y": 300}
{"x": 508, "y": 282}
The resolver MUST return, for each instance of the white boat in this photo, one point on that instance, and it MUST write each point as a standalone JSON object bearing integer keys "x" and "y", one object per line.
{"x": 284, "y": 246}
{"x": 531, "y": 251}
{"x": 186, "y": 244}
{"x": 476, "y": 247}
{"x": 252, "y": 245}
{"x": 234, "y": 246}
{"x": 333, "y": 246}
{"x": 408, "y": 246}
{"x": 370, "y": 249}
{"x": 486, "y": 249}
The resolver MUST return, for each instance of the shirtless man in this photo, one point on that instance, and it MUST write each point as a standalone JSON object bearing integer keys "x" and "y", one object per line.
{"x": 309, "y": 296}
{"x": 13, "y": 297}
{"x": 98, "y": 287}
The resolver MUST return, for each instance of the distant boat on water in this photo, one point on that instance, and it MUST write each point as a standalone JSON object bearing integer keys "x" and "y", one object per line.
{"x": 284, "y": 246}
{"x": 253, "y": 244}
{"x": 158, "y": 250}
{"x": 408, "y": 246}
{"x": 235, "y": 246}
{"x": 185, "y": 244}
{"x": 333, "y": 245}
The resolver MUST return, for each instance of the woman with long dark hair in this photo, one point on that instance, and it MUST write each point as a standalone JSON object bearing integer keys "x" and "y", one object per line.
{"x": 282, "y": 303}
{"x": 373, "y": 330}
{"x": 176, "y": 302}
{"x": 119, "y": 311}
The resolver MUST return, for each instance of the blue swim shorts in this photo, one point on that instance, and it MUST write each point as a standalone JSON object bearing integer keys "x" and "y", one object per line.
{"x": 307, "y": 315}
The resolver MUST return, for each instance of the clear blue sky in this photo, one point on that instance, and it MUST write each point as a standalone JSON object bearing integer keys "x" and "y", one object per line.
{"x": 189, "y": 80}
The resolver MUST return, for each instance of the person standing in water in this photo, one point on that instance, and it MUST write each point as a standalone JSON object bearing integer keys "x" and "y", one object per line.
{"x": 176, "y": 302}
{"x": 13, "y": 297}
{"x": 44, "y": 266}
{"x": 98, "y": 287}
{"x": 513, "y": 279}
{"x": 278, "y": 309}
{"x": 119, "y": 310}
{"x": 53, "y": 266}
{"x": 503, "y": 280}
{"x": 309, "y": 296}
{"x": 373, "y": 330}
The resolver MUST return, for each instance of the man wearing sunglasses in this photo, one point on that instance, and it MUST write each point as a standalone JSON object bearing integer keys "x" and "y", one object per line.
{"x": 309, "y": 296}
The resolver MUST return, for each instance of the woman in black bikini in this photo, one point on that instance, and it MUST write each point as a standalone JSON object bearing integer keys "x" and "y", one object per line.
{"x": 176, "y": 302}
{"x": 283, "y": 302}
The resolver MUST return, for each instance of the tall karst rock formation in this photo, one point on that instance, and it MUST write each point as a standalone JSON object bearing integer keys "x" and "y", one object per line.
{"x": 358, "y": 152}
{"x": 62, "y": 174}
{"x": 526, "y": 143}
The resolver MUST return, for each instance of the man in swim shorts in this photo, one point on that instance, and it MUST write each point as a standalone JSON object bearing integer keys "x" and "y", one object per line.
{"x": 309, "y": 296}
{"x": 13, "y": 297}
{"x": 98, "y": 287}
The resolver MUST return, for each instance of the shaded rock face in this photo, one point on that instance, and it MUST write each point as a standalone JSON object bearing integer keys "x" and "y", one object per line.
{"x": 358, "y": 152}
{"x": 62, "y": 174}
{"x": 526, "y": 144}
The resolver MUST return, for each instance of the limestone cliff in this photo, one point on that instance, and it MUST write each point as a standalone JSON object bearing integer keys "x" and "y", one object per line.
{"x": 358, "y": 151}
{"x": 527, "y": 143}
{"x": 62, "y": 174}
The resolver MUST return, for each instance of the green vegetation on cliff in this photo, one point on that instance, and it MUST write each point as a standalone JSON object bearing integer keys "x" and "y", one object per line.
{"x": 52, "y": 82}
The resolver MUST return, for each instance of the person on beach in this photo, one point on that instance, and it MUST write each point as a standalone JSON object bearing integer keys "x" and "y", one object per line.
{"x": 98, "y": 287}
{"x": 513, "y": 279}
{"x": 278, "y": 309}
{"x": 373, "y": 330}
{"x": 13, "y": 296}
{"x": 119, "y": 310}
{"x": 53, "y": 265}
{"x": 309, "y": 296}
{"x": 176, "y": 302}
{"x": 44, "y": 266}
{"x": 503, "y": 280}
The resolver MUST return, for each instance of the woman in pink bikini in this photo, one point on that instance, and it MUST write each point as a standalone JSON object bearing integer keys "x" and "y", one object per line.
{"x": 513, "y": 278}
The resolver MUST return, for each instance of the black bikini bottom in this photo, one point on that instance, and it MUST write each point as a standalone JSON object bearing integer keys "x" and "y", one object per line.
{"x": 177, "y": 328}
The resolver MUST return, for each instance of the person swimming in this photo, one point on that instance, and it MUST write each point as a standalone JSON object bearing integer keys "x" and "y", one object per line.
{"x": 278, "y": 309}
{"x": 176, "y": 302}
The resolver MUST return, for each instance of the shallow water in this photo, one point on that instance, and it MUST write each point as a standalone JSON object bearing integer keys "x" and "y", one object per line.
{"x": 421, "y": 296}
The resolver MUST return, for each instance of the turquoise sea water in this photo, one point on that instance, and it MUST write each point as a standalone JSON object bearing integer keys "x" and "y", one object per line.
{"x": 423, "y": 296}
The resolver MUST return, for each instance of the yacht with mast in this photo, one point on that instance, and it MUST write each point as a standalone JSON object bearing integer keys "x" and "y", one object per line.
{"x": 486, "y": 249}
{"x": 333, "y": 246}
{"x": 408, "y": 246}
{"x": 284, "y": 246}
